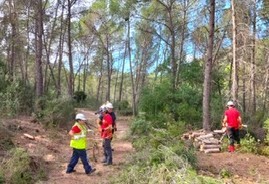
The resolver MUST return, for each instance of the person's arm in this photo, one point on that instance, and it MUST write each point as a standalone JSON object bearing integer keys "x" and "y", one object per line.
{"x": 224, "y": 121}
{"x": 75, "y": 130}
{"x": 239, "y": 122}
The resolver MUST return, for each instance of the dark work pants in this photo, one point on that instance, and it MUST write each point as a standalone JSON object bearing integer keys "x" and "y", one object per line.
{"x": 233, "y": 135}
{"x": 107, "y": 151}
{"x": 79, "y": 153}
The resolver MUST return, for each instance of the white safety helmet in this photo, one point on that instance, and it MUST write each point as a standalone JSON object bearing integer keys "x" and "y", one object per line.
{"x": 109, "y": 105}
{"x": 81, "y": 117}
{"x": 230, "y": 103}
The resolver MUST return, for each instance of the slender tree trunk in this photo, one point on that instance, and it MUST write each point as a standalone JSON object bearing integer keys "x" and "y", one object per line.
{"x": 122, "y": 71}
{"x": 131, "y": 71}
{"x": 12, "y": 56}
{"x": 235, "y": 64}
{"x": 109, "y": 68}
{"x": 182, "y": 40}
{"x": 70, "y": 57}
{"x": 253, "y": 68}
{"x": 266, "y": 84}
{"x": 61, "y": 45}
{"x": 38, "y": 41}
{"x": 208, "y": 70}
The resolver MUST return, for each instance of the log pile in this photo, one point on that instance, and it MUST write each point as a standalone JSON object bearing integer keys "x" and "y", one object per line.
{"x": 207, "y": 142}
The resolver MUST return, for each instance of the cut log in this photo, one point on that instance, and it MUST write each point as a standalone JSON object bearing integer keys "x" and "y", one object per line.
{"x": 212, "y": 150}
{"x": 210, "y": 141}
{"x": 29, "y": 136}
{"x": 197, "y": 134}
{"x": 207, "y": 136}
{"x": 207, "y": 146}
{"x": 219, "y": 131}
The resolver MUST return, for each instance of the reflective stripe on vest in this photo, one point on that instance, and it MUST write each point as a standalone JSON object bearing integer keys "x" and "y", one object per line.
{"x": 80, "y": 143}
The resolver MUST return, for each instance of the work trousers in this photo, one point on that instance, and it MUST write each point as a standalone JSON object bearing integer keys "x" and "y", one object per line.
{"x": 82, "y": 154}
{"x": 107, "y": 151}
{"x": 233, "y": 135}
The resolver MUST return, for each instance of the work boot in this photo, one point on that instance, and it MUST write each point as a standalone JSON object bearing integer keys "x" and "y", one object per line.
{"x": 68, "y": 172}
{"x": 90, "y": 172}
{"x": 231, "y": 148}
{"x": 107, "y": 164}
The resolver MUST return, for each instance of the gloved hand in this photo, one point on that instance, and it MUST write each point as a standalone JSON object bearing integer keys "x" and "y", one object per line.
{"x": 76, "y": 137}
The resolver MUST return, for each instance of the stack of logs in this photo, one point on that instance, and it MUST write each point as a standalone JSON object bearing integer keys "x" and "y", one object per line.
{"x": 208, "y": 142}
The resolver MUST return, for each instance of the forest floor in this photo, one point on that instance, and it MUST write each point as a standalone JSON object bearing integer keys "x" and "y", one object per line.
{"x": 54, "y": 148}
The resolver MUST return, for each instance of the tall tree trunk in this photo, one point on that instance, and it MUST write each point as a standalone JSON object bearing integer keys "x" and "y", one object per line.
{"x": 208, "y": 70}
{"x": 109, "y": 68}
{"x": 12, "y": 53}
{"x": 182, "y": 39}
{"x": 253, "y": 68}
{"x": 235, "y": 64}
{"x": 61, "y": 45}
{"x": 70, "y": 57}
{"x": 122, "y": 71}
{"x": 266, "y": 83}
{"x": 131, "y": 70}
{"x": 38, "y": 41}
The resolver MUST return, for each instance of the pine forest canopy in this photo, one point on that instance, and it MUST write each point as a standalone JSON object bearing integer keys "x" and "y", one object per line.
{"x": 193, "y": 55}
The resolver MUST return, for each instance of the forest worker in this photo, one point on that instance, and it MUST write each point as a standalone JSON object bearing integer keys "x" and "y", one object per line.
{"x": 106, "y": 134}
{"x": 232, "y": 121}
{"x": 79, "y": 143}
{"x": 109, "y": 107}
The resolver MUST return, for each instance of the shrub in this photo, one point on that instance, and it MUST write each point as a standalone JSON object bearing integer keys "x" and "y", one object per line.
{"x": 79, "y": 96}
{"x": 140, "y": 127}
{"x": 248, "y": 144}
{"x": 57, "y": 113}
{"x": 16, "y": 98}
{"x": 19, "y": 168}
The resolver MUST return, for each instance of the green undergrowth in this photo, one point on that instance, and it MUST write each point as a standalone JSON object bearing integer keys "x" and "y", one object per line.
{"x": 19, "y": 168}
{"x": 160, "y": 157}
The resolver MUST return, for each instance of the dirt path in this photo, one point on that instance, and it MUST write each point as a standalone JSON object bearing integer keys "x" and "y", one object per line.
{"x": 54, "y": 148}
{"x": 242, "y": 168}
{"x": 121, "y": 148}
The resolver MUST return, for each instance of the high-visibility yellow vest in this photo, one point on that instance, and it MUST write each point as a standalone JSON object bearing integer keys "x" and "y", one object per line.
{"x": 80, "y": 143}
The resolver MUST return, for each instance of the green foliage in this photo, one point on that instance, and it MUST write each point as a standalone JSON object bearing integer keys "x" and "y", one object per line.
{"x": 80, "y": 96}
{"x": 140, "y": 127}
{"x": 16, "y": 98}
{"x": 57, "y": 113}
{"x": 224, "y": 173}
{"x": 264, "y": 150}
{"x": 123, "y": 108}
{"x": 161, "y": 165}
{"x": 266, "y": 127}
{"x": 248, "y": 144}
{"x": 19, "y": 168}
{"x": 161, "y": 104}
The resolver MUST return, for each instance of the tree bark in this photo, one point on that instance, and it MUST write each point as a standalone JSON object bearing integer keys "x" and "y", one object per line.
{"x": 208, "y": 70}
{"x": 235, "y": 64}
{"x": 253, "y": 63}
{"x": 38, "y": 40}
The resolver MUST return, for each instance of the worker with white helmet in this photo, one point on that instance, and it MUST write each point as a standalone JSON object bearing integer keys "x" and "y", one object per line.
{"x": 79, "y": 144}
{"x": 232, "y": 121}
{"x": 110, "y": 107}
{"x": 106, "y": 134}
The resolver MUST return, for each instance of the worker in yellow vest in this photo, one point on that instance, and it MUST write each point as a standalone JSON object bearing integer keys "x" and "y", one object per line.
{"x": 79, "y": 143}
